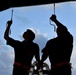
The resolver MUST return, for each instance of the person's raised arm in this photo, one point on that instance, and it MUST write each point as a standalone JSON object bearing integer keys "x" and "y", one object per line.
{"x": 6, "y": 34}
{"x": 54, "y": 19}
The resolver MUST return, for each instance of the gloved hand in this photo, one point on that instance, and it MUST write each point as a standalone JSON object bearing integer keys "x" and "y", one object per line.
{"x": 53, "y": 18}
{"x": 9, "y": 22}
{"x": 38, "y": 66}
{"x": 41, "y": 64}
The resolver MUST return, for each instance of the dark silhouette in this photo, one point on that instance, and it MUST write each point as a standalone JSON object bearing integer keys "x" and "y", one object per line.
{"x": 24, "y": 50}
{"x": 59, "y": 50}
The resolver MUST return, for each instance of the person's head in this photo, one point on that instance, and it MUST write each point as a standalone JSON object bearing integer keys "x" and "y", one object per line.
{"x": 29, "y": 35}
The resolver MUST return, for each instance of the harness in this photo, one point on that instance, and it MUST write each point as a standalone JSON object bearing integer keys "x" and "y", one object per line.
{"x": 61, "y": 64}
{"x": 21, "y": 65}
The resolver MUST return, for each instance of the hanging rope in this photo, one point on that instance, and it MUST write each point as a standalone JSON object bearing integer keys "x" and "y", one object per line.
{"x": 50, "y": 20}
{"x": 10, "y": 20}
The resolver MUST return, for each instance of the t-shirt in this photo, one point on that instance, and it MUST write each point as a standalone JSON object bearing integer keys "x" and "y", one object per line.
{"x": 24, "y": 52}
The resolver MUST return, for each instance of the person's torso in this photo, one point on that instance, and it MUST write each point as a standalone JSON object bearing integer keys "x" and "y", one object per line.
{"x": 59, "y": 50}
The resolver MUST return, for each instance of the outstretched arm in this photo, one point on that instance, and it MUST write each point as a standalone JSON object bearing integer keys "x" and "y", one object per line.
{"x": 6, "y": 34}
{"x": 54, "y": 19}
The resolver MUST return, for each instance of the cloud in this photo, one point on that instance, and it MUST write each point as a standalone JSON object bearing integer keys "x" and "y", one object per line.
{"x": 6, "y": 60}
{"x": 40, "y": 39}
{"x": 73, "y": 58}
{"x": 22, "y": 19}
{"x": 72, "y": 4}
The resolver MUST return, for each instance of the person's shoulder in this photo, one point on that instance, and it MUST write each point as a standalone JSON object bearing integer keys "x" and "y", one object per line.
{"x": 51, "y": 40}
{"x": 9, "y": 38}
{"x": 35, "y": 43}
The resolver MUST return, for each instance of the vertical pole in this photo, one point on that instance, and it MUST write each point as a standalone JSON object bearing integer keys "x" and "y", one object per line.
{"x": 11, "y": 20}
{"x": 12, "y": 15}
{"x": 54, "y": 8}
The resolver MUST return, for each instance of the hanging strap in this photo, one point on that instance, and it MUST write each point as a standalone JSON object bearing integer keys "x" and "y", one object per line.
{"x": 50, "y": 20}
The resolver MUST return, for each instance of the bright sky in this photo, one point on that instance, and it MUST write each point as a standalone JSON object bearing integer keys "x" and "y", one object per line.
{"x": 36, "y": 18}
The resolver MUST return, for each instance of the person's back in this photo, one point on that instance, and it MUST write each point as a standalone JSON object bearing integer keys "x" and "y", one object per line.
{"x": 59, "y": 50}
{"x": 24, "y": 52}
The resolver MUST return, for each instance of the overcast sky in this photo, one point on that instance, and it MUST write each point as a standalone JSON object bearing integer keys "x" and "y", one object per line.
{"x": 36, "y": 18}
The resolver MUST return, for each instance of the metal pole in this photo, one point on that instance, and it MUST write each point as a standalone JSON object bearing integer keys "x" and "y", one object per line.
{"x": 11, "y": 20}
{"x": 12, "y": 15}
{"x": 54, "y": 8}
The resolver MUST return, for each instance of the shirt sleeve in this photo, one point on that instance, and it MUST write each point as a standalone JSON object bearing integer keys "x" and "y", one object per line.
{"x": 12, "y": 42}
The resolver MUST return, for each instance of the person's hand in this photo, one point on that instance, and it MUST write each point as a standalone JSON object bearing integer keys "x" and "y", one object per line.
{"x": 38, "y": 66}
{"x": 41, "y": 64}
{"x": 53, "y": 18}
{"x": 9, "y": 22}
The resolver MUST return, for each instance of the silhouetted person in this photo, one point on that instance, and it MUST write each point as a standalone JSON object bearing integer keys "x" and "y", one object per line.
{"x": 59, "y": 50}
{"x": 24, "y": 50}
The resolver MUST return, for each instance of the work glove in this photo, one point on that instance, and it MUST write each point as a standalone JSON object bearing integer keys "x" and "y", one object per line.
{"x": 53, "y": 18}
{"x": 9, "y": 23}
